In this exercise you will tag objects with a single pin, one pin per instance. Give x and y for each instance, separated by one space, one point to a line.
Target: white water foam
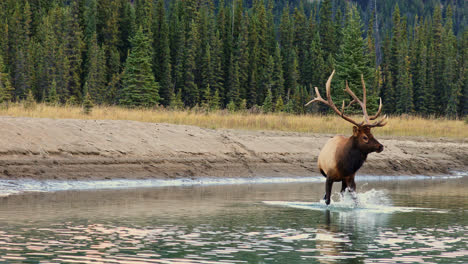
372 201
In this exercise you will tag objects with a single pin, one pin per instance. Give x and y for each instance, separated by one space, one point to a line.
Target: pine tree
108 33
6 90
327 29
74 47
464 74
206 99
234 85
215 101
52 97
405 96
161 58
127 27
139 86
277 76
176 101
96 78
90 20
87 102
387 92
286 44
190 89
207 73
30 102
352 63
267 106
144 13
231 106
394 54
279 106
438 61
315 68
452 86
241 56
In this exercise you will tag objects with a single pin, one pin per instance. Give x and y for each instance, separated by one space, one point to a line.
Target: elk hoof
327 201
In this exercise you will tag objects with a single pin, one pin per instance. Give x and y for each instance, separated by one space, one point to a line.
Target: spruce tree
30 102
267 106
139 86
52 97
161 58
6 89
277 75
279 106
327 29
452 86
127 27
87 102
404 102
352 63
215 101
464 75
96 76
74 47
190 89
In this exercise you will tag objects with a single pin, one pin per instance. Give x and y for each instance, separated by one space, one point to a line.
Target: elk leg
343 186
328 188
351 184
352 187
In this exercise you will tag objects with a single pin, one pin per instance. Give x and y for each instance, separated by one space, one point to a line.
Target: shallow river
392 220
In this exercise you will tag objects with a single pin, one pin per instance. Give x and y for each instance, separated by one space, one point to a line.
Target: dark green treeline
236 54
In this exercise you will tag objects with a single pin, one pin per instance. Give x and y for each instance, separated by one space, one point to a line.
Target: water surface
392 220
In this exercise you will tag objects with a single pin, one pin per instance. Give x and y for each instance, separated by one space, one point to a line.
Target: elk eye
365 138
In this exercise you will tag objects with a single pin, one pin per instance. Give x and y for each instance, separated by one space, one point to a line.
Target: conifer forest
266 55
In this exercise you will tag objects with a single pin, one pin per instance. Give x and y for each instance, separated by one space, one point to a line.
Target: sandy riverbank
103 149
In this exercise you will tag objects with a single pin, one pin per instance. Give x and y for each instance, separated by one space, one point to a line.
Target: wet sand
41 148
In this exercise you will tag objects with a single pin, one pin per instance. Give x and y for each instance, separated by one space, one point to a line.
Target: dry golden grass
397 125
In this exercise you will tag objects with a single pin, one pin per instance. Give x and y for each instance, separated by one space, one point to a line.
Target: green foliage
72 101
267 106
96 78
52 97
231 107
215 103
352 62
279 107
139 85
176 102
6 89
186 53
30 102
87 103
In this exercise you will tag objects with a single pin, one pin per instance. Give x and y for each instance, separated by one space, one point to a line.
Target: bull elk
341 157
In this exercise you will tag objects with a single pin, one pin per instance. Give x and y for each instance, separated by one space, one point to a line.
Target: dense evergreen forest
239 54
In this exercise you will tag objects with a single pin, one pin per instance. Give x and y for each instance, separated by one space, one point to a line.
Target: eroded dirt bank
83 149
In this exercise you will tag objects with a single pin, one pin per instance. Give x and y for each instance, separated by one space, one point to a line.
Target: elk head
362 135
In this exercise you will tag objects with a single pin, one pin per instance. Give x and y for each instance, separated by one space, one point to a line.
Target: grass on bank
397 125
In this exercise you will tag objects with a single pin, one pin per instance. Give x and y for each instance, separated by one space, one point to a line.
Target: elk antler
330 103
362 103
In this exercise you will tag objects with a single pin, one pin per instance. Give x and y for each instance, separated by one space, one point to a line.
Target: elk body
341 157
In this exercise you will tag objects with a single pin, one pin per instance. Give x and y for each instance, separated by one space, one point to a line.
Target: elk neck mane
350 158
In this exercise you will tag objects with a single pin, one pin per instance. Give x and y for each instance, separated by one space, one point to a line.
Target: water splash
372 201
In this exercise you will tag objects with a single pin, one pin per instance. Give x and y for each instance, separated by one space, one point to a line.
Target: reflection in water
231 224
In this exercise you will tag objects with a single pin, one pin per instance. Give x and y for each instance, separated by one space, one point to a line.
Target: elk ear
355 131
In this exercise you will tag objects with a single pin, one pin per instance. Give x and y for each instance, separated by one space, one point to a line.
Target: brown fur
342 157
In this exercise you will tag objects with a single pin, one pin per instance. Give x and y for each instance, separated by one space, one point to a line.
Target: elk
341 157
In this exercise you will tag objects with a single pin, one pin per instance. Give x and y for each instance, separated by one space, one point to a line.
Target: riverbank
41 148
